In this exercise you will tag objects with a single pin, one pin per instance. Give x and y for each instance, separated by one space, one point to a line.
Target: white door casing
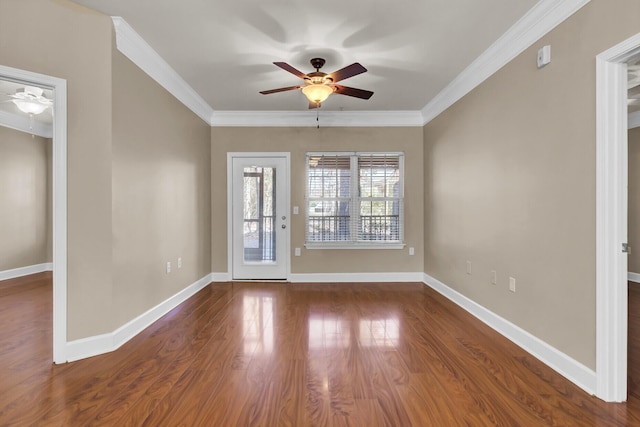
611 219
59 187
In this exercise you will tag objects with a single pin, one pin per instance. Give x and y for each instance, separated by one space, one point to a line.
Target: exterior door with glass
260 217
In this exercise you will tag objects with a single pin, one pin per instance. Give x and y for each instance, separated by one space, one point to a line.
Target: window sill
354 246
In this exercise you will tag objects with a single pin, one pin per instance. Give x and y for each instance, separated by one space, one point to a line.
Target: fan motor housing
317 63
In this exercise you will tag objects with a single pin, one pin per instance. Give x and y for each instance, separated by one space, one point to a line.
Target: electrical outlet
468 267
494 277
180 262
297 251
169 267
412 251
512 284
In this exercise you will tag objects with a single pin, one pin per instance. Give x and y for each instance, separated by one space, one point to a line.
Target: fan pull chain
318 116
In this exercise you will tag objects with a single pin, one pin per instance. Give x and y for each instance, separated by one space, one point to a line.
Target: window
354 200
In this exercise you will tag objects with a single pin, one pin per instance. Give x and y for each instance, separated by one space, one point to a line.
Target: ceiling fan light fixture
317 93
29 107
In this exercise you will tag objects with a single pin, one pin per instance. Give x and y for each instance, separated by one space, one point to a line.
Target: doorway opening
611 219
59 197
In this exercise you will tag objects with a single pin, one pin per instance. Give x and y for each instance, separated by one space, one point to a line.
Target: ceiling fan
30 100
318 85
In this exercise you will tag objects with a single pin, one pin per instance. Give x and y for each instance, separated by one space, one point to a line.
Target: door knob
284 226
284 217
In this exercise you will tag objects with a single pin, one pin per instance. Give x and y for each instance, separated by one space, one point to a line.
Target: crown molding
131 45
634 120
308 118
22 124
542 18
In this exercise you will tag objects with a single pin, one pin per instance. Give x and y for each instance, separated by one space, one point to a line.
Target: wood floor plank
266 354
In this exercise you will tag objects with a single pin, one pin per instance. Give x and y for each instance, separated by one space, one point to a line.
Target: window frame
355 199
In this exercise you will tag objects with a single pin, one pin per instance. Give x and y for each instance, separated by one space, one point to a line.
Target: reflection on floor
275 354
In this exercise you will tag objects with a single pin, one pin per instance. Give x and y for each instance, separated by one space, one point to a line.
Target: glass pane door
260 233
259 214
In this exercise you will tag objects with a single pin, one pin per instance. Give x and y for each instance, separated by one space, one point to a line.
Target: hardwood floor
273 354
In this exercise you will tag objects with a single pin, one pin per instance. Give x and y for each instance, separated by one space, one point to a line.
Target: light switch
295 210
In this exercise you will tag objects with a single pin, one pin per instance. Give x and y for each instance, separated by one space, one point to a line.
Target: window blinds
354 198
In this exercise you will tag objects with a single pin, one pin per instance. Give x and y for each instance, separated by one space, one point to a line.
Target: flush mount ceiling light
30 100
318 85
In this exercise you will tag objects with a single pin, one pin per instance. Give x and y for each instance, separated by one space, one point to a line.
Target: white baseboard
25 271
355 277
105 343
221 277
566 366
633 277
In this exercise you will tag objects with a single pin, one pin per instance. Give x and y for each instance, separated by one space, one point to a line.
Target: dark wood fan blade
351 91
282 89
348 71
290 69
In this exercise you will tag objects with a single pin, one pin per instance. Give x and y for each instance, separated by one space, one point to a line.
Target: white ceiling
224 49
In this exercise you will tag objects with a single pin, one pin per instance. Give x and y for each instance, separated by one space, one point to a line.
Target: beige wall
25 224
298 141
161 193
634 200
70 42
510 184
118 241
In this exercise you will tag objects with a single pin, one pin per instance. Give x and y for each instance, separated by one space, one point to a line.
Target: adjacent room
222 213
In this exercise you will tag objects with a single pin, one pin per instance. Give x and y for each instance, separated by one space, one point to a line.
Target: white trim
355 277
542 18
566 366
134 47
59 211
25 271
230 215
23 124
633 120
611 219
221 277
633 277
105 343
353 245
308 118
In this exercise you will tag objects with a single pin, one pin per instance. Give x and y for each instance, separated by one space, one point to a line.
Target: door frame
59 197
611 219
287 196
